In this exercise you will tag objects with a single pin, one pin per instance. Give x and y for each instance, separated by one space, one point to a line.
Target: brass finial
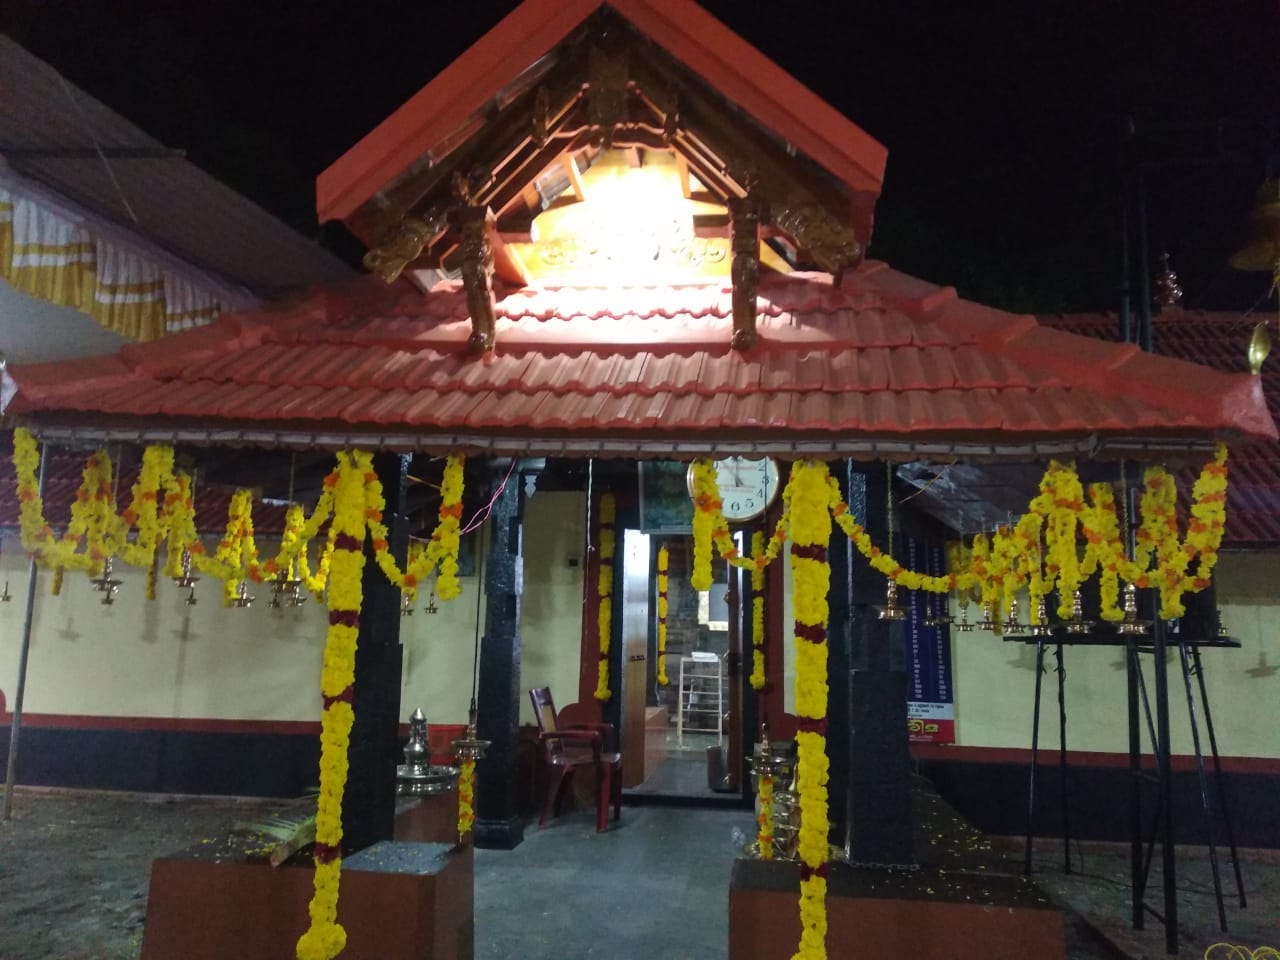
1259 347
1168 291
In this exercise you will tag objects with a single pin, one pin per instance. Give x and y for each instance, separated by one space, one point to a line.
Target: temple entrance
682 725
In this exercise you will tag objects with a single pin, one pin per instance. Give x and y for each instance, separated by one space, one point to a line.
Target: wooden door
636 587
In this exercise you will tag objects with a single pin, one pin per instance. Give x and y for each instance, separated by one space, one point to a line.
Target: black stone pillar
839 599
498 823
369 803
879 761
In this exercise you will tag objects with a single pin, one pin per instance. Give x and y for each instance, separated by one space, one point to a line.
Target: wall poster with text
930 710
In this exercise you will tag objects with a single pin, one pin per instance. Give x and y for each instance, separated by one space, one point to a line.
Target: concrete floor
655 885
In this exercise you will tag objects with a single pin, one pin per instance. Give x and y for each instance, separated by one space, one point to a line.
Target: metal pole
1126 197
1217 774
1062 760
1205 803
1168 861
1145 338
1035 750
1136 883
11 769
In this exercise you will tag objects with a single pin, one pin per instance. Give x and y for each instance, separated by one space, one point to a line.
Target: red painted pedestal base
764 921
399 900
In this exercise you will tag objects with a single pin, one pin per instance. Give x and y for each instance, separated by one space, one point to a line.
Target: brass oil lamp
242 599
891 610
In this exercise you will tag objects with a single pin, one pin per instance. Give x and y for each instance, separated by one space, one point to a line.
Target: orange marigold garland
325 937
664 581
604 587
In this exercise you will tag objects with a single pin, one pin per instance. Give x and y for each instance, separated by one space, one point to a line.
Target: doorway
684 735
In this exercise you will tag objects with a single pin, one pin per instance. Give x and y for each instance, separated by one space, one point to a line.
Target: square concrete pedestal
399 900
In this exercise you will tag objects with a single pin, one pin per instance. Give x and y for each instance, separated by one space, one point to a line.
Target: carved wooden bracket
477 275
831 244
745 232
404 244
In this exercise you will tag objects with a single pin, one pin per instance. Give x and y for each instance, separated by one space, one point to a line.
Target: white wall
551 608
35 331
161 658
166 659
994 680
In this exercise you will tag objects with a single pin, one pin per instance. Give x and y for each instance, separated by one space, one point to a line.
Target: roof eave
65 427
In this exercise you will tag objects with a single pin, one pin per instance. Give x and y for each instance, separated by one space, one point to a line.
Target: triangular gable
442 109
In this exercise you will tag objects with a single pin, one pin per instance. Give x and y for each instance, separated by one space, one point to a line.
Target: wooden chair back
544 709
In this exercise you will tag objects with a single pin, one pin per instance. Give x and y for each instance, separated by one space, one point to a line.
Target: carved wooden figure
477 275
745 224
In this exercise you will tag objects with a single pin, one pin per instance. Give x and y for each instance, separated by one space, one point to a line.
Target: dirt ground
1097 889
74 869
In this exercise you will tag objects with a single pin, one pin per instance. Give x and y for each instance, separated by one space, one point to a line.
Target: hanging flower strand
664 580
325 938
711 527
758 677
604 587
764 819
811 532
442 549
466 798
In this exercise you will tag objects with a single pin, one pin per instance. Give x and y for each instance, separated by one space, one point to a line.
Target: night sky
1003 119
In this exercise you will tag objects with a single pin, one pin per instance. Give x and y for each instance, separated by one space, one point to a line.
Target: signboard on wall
665 505
930 710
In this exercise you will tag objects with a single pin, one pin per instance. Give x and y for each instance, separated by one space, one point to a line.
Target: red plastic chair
579 745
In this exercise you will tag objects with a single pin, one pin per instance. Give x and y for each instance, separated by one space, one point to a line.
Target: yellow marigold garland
764 819
441 550
604 587
710 526
758 678
810 533
706 504
466 798
664 581
326 938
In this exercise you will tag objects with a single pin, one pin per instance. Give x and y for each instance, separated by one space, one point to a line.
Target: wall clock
747 487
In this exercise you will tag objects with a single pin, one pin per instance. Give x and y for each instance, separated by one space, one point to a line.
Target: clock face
747 487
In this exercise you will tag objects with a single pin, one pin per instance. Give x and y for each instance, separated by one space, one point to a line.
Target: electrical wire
475 658
483 513
98 148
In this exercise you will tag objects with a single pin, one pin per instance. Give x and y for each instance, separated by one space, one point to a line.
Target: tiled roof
881 359
1218 340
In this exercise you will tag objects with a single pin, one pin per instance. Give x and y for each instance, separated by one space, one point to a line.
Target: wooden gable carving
607 87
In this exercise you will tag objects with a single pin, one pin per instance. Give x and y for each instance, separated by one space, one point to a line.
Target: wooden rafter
575 178
648 102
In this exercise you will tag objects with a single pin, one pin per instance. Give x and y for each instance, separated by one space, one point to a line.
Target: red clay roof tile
880 356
